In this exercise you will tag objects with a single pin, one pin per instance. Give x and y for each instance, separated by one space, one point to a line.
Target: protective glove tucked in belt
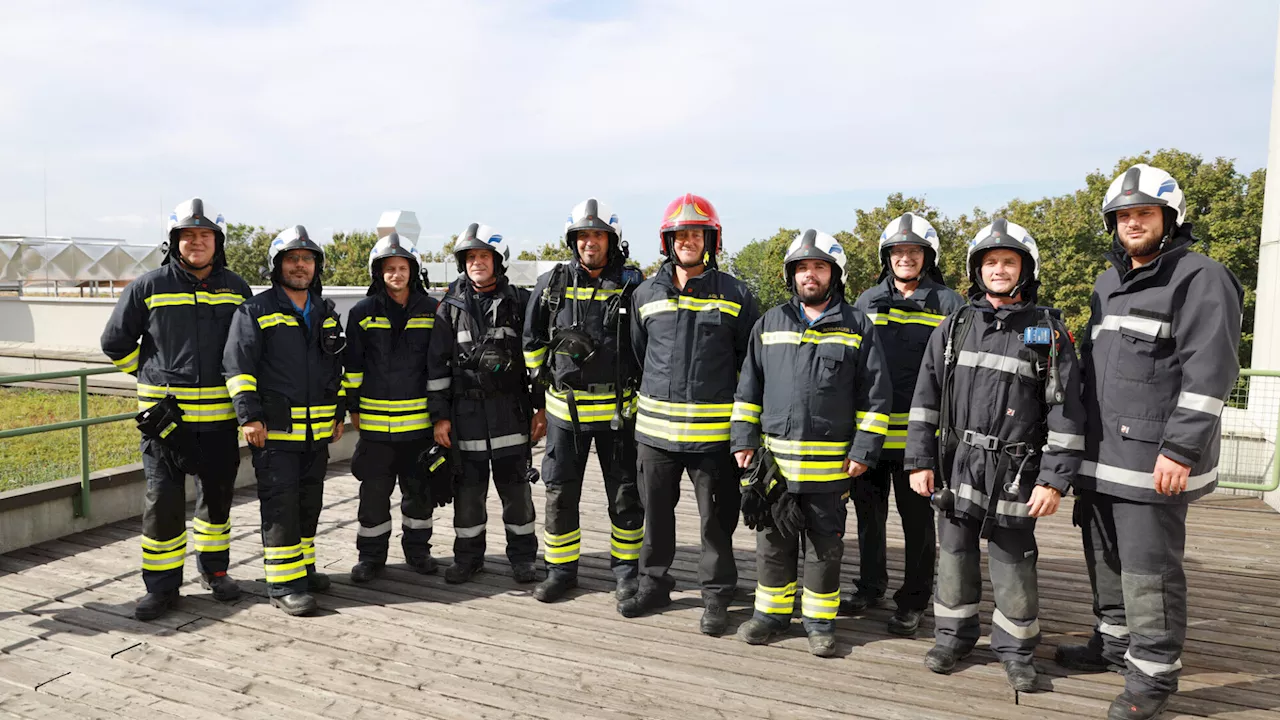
787 516
434 465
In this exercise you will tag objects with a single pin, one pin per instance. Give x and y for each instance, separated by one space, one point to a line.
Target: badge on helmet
686 212
194 214
815 245
482 237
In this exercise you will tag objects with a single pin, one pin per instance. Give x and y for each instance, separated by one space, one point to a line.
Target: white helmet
482 237
294 238
1011 236
394 245
591 214
193 214
910 229
1145 186
815 245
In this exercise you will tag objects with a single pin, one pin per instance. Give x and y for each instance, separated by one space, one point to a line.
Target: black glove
760 484
436 469
162 423
755 511
787 516
442 488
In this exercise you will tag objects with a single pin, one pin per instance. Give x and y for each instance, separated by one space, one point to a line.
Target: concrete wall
47 511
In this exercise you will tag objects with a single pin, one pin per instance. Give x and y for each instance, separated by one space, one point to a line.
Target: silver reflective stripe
1200 403
1001 363
1066 441
1022 633
924 415
1135 478
409 523
525 529
1152 668
1115 631
375 531
464 336
961 611
1012 508
972 494
439 384
1149 326
469 532
502 441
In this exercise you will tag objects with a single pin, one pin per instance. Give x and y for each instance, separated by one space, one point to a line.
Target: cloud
510 112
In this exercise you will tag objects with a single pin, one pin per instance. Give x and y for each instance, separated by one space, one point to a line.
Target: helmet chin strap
191 266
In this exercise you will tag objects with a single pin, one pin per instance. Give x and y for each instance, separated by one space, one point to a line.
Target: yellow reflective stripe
216 392
207 412
379 323
227 298
906 317
790 337
776 600
820 606
899 419
420 323
281 552
274 319
315 412
586 293
812 470
581 397
806 447
169 561
625 544
129 363
533 358
351 380
587 411
329 322
681 432
657 306
237 384
319 431
373 422
628 535
152 545
746 412
873 422
562 549
285 572
687 410
689 303
168 299
571 536
409 404
201 526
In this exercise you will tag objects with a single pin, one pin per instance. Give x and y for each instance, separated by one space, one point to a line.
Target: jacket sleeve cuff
918 463
1178 455
1056 482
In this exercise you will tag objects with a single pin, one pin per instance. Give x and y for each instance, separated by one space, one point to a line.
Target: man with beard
690 328
168 330
906 306
997 417
479 396
815 392
388 334
1160 358
283 365
577 341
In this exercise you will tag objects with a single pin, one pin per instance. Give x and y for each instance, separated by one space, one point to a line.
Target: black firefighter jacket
168 329
1007 440
600 308
278 372
489 411
690 346
903 327
386 365
1160 357
819 394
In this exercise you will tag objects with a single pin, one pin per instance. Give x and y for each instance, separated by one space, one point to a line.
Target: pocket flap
831 351
708 317
1138 428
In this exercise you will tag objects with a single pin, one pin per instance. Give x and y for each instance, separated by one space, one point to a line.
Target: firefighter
479 395
168 330
690 328
997 415
577 342
815 392
283 365
908 303
1160 358
388 334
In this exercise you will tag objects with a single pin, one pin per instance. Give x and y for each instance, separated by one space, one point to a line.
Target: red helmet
689 211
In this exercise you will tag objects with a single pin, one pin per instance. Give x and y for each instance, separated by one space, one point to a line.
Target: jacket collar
1179 245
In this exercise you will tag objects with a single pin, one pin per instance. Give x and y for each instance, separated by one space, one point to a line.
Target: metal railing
82 504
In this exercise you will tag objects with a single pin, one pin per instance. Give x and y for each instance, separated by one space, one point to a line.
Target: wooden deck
407 646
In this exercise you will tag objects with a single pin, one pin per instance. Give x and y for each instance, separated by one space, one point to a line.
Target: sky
509 113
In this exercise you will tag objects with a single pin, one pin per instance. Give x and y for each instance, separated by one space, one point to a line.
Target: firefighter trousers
470 516
715 484
379 466
1011 560
563 466
871 503
777 560
164 512
1134 555
290 495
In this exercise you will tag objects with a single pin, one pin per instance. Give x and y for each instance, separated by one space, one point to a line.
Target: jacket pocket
1137 354
277 412
1139 428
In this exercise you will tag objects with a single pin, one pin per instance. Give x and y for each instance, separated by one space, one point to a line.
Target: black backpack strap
961 321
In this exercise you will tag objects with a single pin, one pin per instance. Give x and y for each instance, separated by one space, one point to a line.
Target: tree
445 254
557 251
246 251
346 259
759 265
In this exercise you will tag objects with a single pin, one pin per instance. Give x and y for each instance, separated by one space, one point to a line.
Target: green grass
55 455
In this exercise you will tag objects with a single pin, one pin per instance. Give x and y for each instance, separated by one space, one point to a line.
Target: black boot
460 572
757 632
1021 675
1084 658
856 602
554 587
1132 706
715 619
645 601
155 604
822 643
524 572
299 603
905 622
626 589
423 565
364 571
224 589
318 582
942 659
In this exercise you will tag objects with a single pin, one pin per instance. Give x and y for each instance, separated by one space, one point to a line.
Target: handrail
1274 482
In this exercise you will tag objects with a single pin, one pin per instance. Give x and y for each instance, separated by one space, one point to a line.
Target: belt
993 443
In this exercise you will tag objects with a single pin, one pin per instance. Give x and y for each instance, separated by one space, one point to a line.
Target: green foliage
1224 205
557 251
445 254
346 259
246 251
